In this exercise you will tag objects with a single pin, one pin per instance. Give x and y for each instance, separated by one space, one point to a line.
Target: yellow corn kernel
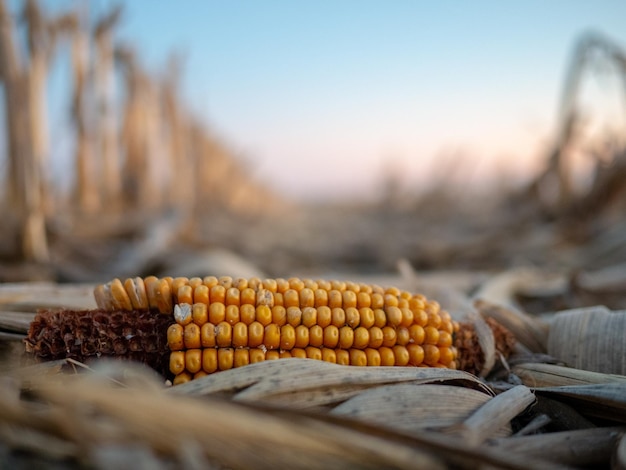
191 336
361 338
217 312
287 337
387 357
307 298
241 358
313 353
200 313
407 317
431 354
257 355
272 355
193 360
263 315
343 357
282 285
366 315
248 296
446 356
233 296
207 335
349 299
271 338
445 339
376 337
353 318
431 335
338 317
256 332
331 336
247 313
298 352
136 290
225 281
296 284
177 362
294 316
185 295
309 316
380 317
357 357
209 281
320 298
291 298
373 357
328 355
417 334
279 315
231 314
346 337
335 299
225 358
302 336
401 355
389 336
324 316
416 354
175 339
316 336
217 294
224 334
240 335
270 284
182 378
402 336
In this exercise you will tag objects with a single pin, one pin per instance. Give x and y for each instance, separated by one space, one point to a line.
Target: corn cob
215 324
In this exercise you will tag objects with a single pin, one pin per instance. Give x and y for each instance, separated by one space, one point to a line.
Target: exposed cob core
214 324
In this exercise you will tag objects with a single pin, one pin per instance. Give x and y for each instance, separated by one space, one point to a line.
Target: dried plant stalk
550 375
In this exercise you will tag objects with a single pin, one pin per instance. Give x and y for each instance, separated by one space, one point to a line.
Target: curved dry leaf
495 414
550 375
606 401
304 383
590 338
589 448
412 408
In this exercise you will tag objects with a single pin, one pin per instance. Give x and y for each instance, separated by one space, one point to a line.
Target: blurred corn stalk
554 188
137 146
24 81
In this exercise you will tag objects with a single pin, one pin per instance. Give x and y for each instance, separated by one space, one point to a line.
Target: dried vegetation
547 261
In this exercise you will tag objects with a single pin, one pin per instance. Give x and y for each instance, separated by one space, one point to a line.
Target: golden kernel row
162 294
186 365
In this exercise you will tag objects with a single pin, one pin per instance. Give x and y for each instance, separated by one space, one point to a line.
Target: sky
321 98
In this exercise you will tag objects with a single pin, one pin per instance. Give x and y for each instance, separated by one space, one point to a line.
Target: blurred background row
373 141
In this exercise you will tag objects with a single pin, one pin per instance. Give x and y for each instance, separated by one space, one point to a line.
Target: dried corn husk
111 422
591 339
412 407
550 375
581 448
305 383
605 401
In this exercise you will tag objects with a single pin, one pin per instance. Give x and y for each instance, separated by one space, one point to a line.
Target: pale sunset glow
320 97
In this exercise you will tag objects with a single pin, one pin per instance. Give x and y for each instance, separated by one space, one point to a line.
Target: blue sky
320 96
